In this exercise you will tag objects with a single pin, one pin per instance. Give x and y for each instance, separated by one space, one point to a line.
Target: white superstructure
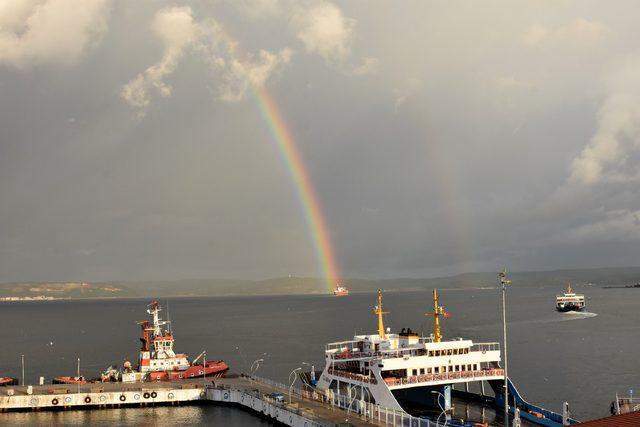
377 365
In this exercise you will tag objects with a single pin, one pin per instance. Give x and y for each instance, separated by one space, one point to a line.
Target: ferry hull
418 399
569 307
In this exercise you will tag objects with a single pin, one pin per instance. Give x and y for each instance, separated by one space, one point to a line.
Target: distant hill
306 285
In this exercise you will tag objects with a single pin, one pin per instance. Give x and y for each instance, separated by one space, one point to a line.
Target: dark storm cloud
440 138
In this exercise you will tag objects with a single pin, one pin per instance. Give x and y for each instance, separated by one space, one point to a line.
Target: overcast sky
441 137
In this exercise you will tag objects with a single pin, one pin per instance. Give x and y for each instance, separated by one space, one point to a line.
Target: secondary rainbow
316 223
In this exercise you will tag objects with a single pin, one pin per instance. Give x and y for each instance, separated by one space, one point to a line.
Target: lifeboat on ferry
70 380
8 381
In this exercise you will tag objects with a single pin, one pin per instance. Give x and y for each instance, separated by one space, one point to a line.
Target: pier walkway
262 397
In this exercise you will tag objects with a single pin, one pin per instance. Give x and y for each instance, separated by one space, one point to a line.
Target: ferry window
457 368
430 371
464 368
431 353
415 372
421 371
449 352
475 366
436 370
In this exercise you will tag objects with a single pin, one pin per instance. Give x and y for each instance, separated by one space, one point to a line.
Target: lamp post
443 411
254 367
292 382
204 368
504 281
22 359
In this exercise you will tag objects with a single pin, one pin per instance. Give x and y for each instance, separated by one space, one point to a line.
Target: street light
504 281
351 399
254 367
292 382
440 405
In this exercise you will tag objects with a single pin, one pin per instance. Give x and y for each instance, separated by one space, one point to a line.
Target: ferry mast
438 311
378 311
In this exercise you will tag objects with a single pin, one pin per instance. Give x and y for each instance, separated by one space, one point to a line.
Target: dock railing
360 408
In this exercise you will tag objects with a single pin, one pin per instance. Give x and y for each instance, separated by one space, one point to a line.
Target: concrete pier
262 397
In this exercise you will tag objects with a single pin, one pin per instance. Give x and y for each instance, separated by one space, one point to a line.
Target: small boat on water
340 291
4 381
570 301
70 380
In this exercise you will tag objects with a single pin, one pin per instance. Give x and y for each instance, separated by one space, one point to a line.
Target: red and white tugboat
158 361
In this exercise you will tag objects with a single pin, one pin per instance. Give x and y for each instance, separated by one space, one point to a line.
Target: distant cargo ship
570 301
340 291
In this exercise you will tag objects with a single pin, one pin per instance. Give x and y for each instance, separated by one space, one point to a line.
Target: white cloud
240 74
368 66
180 35
323 29
175 27
580 30
34 32
607 156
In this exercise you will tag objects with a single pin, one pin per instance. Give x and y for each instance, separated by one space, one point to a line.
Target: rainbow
316 223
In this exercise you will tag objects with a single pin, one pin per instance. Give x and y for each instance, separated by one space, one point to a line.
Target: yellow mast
437 312
378 310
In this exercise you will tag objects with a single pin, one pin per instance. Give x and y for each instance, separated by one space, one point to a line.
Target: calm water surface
553 357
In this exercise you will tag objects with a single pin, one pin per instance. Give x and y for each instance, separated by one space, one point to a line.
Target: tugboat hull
214 369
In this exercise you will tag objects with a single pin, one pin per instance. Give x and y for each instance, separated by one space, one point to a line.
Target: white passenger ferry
393 366
407 371
570 301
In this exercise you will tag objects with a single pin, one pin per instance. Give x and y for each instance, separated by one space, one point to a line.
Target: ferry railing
355 353
445 376
354 376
